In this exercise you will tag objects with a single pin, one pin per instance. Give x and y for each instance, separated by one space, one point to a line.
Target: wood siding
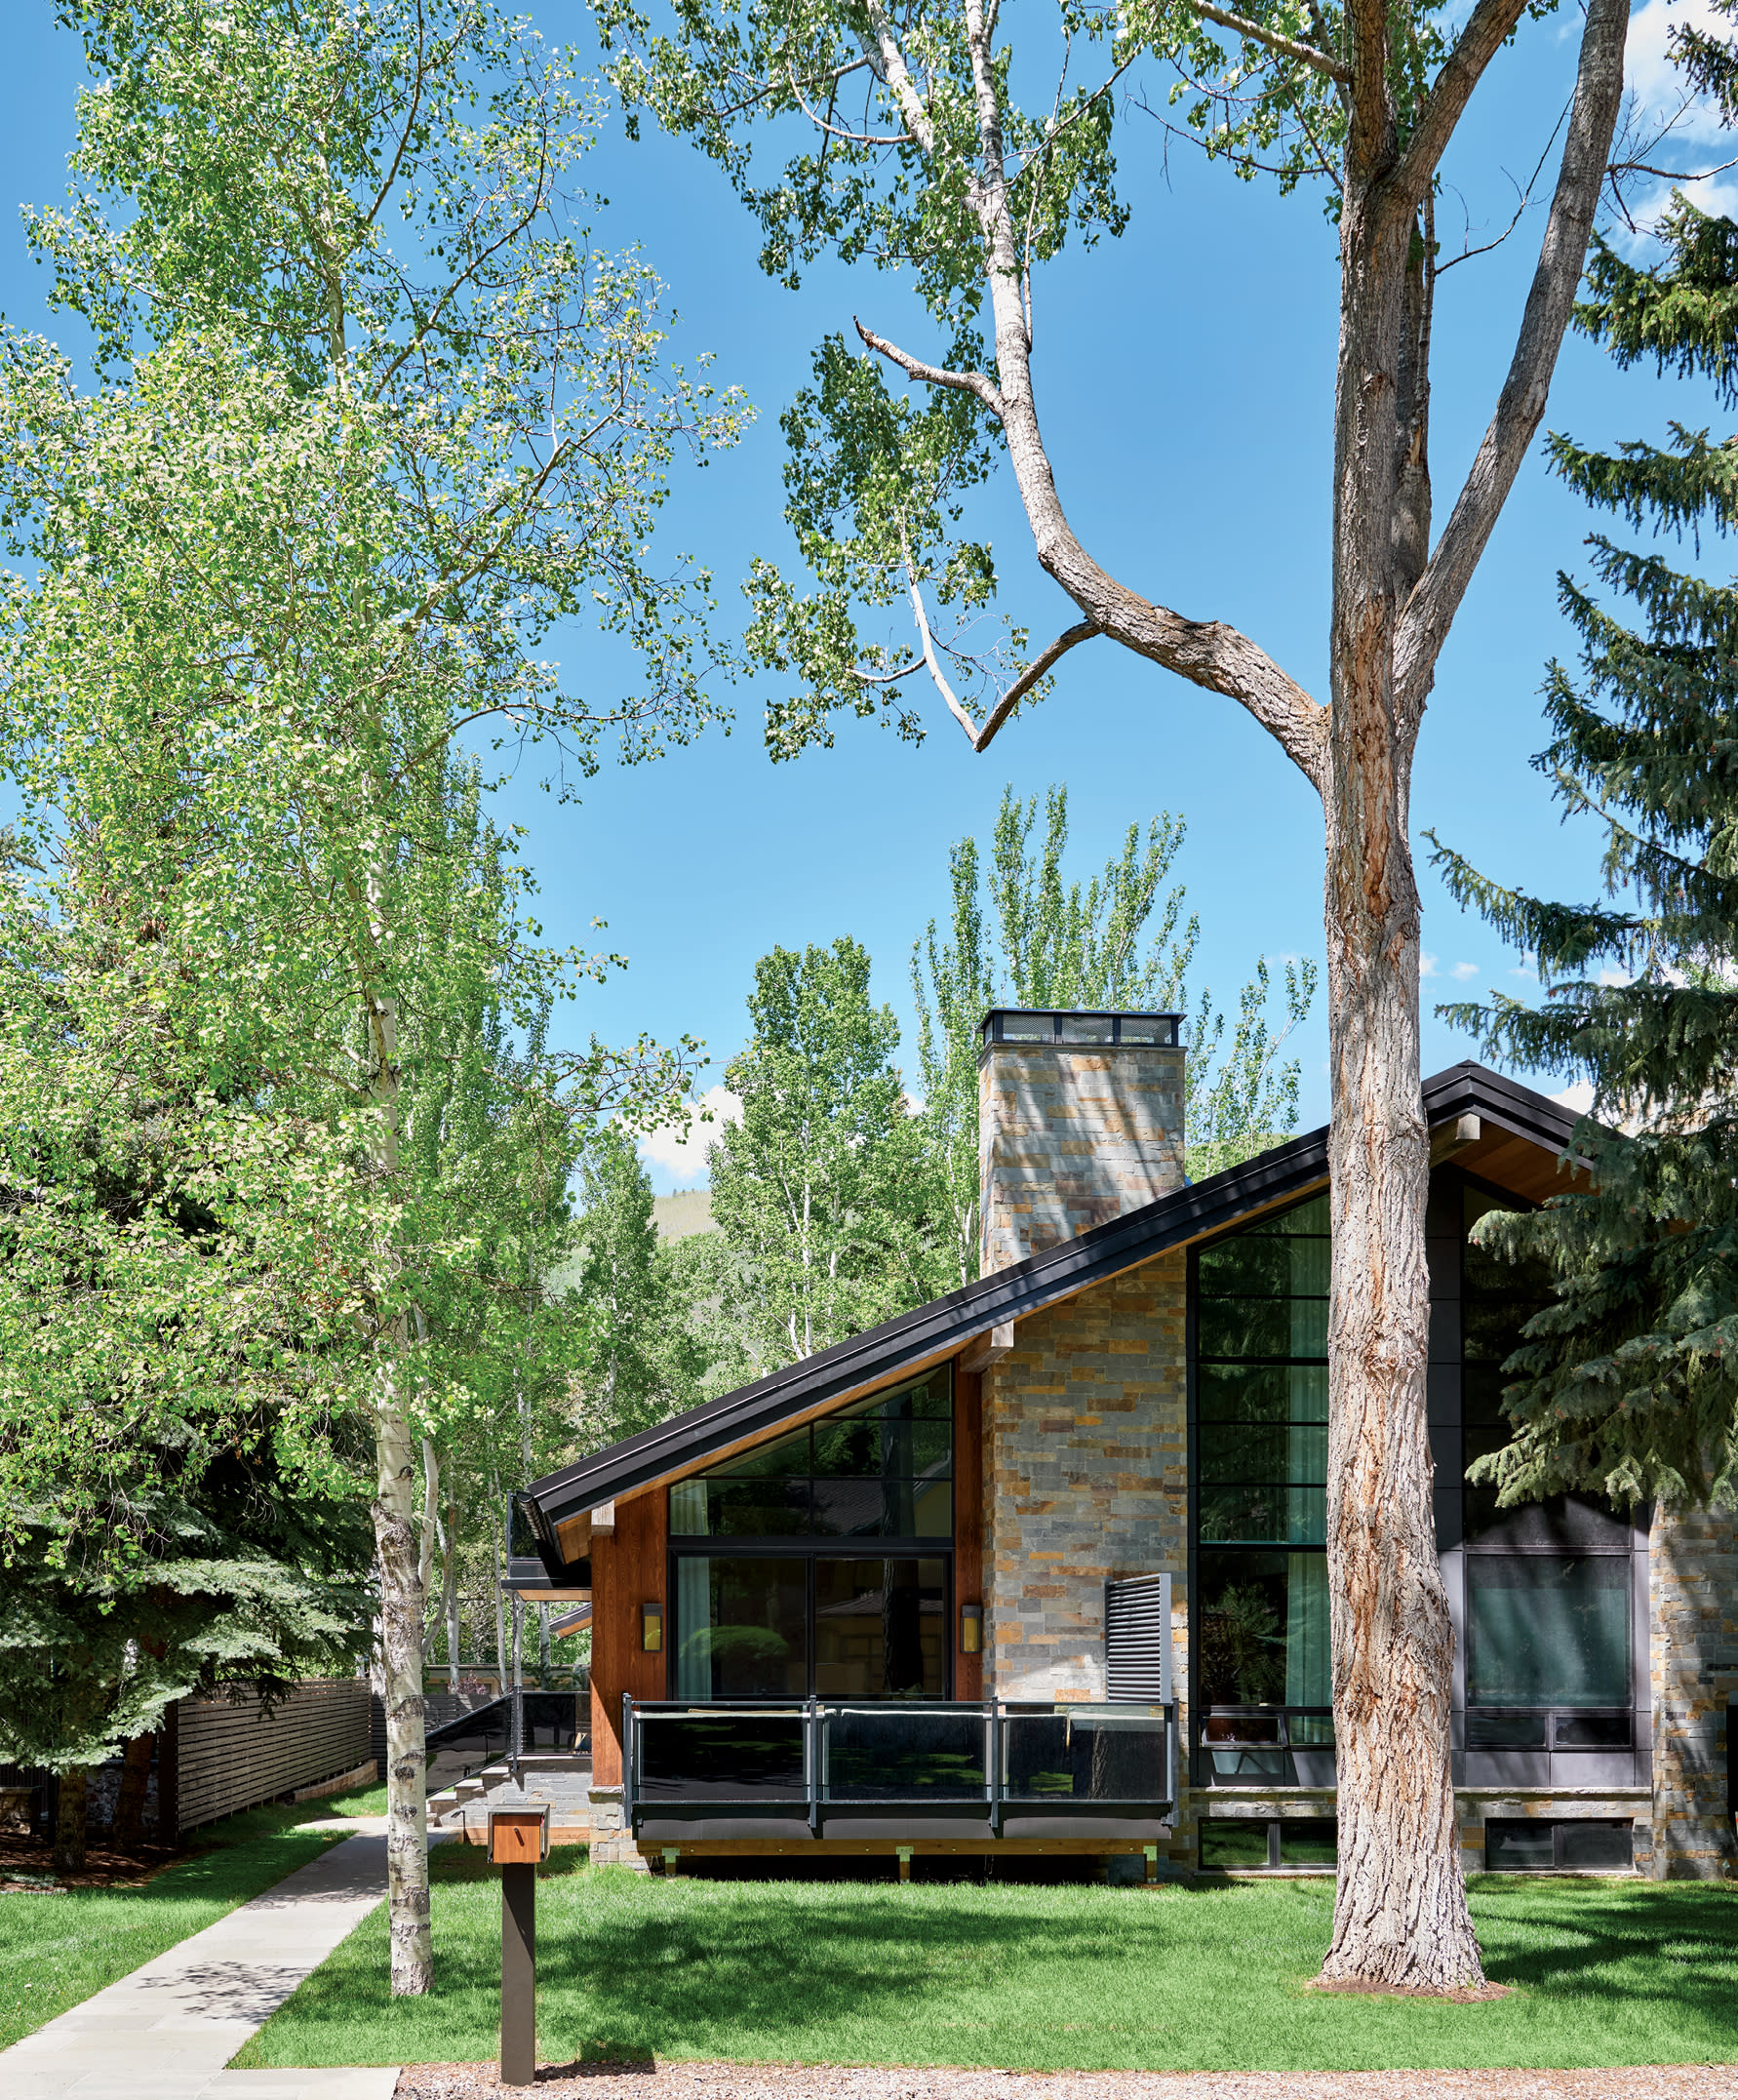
230 1755
629 1568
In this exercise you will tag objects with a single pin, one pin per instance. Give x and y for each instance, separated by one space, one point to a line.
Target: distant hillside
679 1216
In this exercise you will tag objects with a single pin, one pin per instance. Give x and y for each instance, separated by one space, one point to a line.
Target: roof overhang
1496 1127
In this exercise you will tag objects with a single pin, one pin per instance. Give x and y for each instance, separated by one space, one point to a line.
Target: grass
1605 1972
56 1950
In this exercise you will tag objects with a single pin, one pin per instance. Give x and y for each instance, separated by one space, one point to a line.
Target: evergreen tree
1628 1383
1047 944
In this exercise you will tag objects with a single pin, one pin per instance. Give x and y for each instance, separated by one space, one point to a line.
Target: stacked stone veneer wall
1069 1138
1693 1575
1086 1459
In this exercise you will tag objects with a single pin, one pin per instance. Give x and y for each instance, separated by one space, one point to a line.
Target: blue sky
1186 378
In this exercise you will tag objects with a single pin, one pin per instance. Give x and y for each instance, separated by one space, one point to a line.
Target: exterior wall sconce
652 1629
972 1629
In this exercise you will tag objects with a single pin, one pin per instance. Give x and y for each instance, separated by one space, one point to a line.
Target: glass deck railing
806 1758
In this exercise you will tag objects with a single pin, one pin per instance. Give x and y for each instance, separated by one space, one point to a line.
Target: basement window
1584 1845
1245 1844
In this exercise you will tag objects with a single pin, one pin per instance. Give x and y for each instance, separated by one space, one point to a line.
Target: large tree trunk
69 1821
1401 1918
130 1800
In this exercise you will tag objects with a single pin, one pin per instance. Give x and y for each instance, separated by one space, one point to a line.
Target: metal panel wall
230 1756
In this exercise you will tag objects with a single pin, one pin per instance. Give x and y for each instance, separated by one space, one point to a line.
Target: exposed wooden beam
989 1348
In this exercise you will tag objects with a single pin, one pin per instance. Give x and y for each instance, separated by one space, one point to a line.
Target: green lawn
57 1948
1022 1977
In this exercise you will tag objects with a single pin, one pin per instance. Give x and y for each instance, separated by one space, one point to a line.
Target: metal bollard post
518 1842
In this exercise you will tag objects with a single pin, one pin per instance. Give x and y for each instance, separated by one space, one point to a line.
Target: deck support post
905 1863
672 1859
1152 1857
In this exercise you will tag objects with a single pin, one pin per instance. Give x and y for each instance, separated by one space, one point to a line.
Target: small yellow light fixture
972 1629
652 1629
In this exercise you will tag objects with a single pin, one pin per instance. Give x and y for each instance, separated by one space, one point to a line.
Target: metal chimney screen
1137 1639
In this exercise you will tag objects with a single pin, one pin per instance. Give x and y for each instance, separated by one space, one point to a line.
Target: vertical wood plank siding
628 1568
230 1756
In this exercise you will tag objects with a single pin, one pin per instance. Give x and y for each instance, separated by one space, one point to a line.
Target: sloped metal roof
931 1332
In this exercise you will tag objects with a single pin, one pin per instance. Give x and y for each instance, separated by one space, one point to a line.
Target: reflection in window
878 1629
1546 1631
742 1628
1261 1334
881 1469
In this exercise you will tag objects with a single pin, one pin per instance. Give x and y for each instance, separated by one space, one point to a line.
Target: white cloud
1616 976
677 1149
1578 1098
1427 963
1464 971
1696 138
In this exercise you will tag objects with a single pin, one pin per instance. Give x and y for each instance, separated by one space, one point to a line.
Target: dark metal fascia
1015 1293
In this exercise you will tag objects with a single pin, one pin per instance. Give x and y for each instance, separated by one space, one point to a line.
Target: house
1040 1567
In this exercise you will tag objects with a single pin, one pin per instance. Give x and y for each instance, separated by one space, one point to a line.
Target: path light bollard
518 1842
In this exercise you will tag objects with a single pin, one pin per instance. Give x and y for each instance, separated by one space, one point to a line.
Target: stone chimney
1080 1118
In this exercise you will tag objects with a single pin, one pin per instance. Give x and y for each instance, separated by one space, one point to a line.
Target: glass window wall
1261 1387
782 1606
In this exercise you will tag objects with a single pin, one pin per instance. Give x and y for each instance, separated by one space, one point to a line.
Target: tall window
1549 1584
819 1565
1261 1312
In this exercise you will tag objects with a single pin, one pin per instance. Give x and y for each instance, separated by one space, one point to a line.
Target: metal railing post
812 1725
1732 1760
1171 1767
627 1763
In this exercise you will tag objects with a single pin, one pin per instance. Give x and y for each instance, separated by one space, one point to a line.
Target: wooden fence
224 1755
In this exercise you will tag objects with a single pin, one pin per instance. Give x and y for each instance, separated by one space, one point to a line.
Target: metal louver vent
1137 1639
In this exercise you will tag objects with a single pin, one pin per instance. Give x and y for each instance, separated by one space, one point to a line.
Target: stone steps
562 1779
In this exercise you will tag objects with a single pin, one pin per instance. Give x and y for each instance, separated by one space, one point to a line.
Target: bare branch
1620 167
886 678
839 131
1527 197
929 645
881 47
914 368
1287 46
1487 28
1039 668
1436 599
1325 38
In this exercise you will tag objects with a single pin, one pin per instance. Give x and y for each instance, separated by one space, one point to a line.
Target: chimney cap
1075 1025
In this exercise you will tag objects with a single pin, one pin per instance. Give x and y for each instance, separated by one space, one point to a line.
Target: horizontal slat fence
229 1755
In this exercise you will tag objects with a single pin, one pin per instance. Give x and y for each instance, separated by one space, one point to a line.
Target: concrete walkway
166 2032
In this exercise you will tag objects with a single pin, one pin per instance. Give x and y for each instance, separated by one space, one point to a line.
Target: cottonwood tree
369 210
1046 944
635 1358
915 150
821 1194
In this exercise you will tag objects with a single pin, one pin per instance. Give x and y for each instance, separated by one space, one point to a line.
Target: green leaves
820 1193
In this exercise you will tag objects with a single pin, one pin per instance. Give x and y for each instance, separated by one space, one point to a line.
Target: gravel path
828 2081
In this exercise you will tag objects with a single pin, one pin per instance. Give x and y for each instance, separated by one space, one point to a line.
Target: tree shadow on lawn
1031 1977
